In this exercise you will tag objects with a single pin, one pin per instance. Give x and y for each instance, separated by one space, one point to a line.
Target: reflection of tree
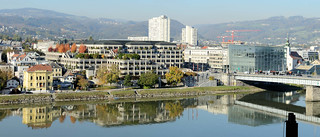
73 119
4 114
107 112
175 109
61 118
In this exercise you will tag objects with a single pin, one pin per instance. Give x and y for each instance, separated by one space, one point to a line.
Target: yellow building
38 78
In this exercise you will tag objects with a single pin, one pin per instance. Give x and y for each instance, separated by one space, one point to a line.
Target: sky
189 12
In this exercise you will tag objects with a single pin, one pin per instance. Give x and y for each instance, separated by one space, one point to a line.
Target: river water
204 116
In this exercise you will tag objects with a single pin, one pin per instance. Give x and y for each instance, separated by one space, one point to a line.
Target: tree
50 49
66 47
101 75
127 81
174 76
96 55
211 78
61 48
4 77
147 80
73 48
82 48
83 83
90 38
113 74
4 54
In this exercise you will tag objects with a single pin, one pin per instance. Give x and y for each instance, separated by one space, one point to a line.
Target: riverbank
124 94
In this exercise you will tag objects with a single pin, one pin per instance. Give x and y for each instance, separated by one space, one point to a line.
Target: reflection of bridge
312 84
299 116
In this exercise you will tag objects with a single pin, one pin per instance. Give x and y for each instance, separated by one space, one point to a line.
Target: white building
203 58
142 38
159 29
43 46
190 35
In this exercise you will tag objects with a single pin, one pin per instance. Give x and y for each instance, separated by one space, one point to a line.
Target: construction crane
223 37
232 32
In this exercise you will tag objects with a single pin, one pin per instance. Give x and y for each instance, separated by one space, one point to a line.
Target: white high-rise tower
190 35
159 29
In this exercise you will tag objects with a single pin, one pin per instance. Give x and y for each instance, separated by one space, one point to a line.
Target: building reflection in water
40 117
148 112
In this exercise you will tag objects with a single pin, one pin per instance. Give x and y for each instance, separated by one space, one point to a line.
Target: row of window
39 77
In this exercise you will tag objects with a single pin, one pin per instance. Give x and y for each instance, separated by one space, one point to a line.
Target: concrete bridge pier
312 93
312 108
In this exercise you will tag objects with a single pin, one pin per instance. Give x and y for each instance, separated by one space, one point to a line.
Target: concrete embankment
107 95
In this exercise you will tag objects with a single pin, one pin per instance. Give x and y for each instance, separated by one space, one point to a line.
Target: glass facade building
245 58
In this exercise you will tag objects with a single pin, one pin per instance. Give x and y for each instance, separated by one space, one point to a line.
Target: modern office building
197 58
159 29
153 55
189 35
245 58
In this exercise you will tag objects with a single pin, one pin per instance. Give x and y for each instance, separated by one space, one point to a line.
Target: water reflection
40 117
149 112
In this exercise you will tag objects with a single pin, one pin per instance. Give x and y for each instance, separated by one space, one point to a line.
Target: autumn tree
147 80
73 48
82 48
174 76
83 83
66 47
50 49
61 48
73 119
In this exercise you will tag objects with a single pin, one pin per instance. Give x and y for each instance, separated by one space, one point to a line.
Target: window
48 77
31 78
30 117
30 84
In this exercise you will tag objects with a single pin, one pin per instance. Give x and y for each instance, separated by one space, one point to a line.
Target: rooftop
40 67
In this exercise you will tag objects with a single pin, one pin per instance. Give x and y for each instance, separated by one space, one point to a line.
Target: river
204 116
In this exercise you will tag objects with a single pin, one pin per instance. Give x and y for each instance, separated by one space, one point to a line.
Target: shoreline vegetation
124 94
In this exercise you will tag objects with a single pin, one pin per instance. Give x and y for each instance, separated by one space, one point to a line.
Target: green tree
112 75
4 54
174 76
83 83
127 81
147 80
4 77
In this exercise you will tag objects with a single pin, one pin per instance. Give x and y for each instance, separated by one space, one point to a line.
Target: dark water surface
206 116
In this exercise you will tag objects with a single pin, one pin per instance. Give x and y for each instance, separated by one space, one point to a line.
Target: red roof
40 67
22 56
205 47
15 55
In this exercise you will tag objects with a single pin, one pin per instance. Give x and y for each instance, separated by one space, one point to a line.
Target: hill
50 24
272 30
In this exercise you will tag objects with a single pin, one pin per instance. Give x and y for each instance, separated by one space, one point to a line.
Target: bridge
303 116
312 83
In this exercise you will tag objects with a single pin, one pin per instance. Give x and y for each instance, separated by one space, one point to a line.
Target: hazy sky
188 12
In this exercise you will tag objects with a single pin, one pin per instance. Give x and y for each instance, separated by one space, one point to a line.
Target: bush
211 78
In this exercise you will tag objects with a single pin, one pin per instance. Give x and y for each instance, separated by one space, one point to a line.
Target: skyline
189 12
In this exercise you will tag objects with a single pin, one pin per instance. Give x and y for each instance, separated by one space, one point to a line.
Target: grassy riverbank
109 94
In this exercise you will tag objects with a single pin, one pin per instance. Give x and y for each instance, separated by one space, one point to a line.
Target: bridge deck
312 81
